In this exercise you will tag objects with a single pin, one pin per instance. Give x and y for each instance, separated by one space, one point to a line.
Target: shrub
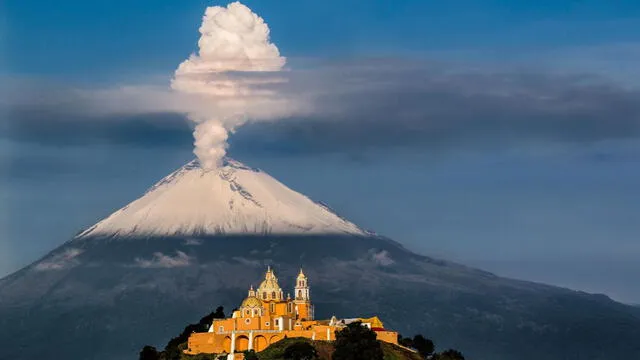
450 354
357 342
250 355
424 346
149 353
300 351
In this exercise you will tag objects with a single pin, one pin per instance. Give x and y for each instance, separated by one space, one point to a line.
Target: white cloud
248 262
382 258
160 260
59 261
192 242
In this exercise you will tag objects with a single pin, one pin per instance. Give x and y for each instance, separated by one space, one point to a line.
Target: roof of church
251 302
270 282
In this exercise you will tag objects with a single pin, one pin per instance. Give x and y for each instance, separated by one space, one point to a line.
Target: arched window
273 307
273 295
290 307
264 295
248 312
299 293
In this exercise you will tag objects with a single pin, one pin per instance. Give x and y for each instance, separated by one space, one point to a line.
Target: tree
450 354
149 353
406 342
356 342
300 351
424 346
172 350
250 355
206 321
219 313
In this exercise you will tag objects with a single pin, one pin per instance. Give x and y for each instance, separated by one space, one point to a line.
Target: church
266 316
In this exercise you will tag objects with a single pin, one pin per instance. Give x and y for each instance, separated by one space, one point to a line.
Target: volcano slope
197 239
104 298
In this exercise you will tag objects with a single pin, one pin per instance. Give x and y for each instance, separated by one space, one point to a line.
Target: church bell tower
302 297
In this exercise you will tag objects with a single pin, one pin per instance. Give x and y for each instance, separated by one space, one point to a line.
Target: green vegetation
286 347
300 351
149 353
449 355
324 350
174 348
357 342
424 346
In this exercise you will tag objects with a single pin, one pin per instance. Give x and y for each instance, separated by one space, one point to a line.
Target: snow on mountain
233 199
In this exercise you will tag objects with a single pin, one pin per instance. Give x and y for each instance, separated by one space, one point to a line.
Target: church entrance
242 343
260 343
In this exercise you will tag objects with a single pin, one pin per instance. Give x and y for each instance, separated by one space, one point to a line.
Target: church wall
387 336
299 333
324 332
266 323
206 343
304 311
226 324
248 323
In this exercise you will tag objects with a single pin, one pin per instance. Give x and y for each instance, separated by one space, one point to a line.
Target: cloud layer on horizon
353 105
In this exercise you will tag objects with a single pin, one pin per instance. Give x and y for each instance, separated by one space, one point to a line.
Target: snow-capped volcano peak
233 199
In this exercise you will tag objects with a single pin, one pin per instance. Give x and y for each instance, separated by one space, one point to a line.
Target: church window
290 307
273 307
248 312
221 329
267 323
277 323
247 321
273 295
264 295
300 293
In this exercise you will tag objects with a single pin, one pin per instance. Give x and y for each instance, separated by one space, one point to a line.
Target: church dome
269 285
251 302
269 288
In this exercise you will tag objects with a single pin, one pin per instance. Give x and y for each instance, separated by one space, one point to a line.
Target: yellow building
266 317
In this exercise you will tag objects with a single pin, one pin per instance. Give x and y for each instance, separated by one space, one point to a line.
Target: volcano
233 199
198 238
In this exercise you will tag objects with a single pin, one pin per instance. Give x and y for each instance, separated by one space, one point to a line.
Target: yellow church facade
266 316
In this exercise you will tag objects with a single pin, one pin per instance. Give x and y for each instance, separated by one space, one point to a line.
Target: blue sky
525 191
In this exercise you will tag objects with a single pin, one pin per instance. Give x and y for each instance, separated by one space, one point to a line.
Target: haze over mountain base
104 299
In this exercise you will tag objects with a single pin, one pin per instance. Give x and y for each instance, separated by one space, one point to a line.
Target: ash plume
233 75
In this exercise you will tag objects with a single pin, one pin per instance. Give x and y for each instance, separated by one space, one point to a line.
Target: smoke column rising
234 41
